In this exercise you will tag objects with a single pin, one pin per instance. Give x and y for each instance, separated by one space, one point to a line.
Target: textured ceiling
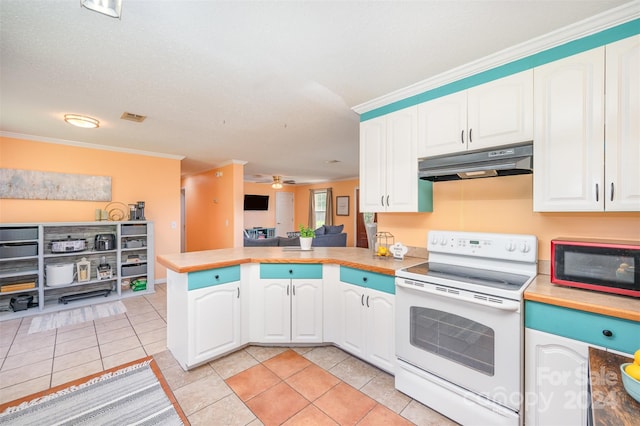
267 82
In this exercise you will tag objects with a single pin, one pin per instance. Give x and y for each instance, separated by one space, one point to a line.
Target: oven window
453 337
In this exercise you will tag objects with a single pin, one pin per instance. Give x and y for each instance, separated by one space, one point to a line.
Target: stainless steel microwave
600 265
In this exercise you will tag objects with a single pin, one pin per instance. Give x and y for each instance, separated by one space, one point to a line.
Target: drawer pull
217 277
364 279
607 333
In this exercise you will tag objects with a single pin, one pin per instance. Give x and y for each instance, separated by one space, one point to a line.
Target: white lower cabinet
214 321
285 309
367 318
556 380
214 312
557 341
203 314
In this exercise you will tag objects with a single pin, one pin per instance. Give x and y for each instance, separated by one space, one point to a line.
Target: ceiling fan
276 182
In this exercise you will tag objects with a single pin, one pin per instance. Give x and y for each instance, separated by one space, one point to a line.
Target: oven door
471 340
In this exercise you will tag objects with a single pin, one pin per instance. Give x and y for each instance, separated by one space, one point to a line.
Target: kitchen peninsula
221 300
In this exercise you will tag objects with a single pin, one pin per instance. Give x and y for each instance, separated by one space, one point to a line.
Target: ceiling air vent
133 117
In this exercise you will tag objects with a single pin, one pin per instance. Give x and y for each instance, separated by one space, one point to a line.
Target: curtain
312 209
328 213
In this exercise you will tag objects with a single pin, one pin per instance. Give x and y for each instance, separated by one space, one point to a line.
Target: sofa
326 236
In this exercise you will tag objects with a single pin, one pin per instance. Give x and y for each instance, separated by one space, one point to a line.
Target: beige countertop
542 290
346 256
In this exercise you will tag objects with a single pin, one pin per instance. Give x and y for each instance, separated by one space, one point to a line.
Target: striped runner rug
131 394
75 316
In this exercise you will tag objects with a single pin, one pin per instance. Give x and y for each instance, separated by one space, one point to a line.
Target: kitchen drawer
211 277
288 270
372 280
583 326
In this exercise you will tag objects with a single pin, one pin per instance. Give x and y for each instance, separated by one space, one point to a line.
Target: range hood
506 161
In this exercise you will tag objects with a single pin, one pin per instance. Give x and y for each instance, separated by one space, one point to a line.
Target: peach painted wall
339 188
503 205
213 208
134 177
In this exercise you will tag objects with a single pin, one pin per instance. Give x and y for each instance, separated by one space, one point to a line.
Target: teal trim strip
583 326
212 277
622 31
291 270
367 279
425 196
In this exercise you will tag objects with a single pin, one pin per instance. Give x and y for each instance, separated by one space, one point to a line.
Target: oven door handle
511 306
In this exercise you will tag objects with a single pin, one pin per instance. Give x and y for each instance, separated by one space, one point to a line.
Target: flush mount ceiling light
277 182
81 121
111 8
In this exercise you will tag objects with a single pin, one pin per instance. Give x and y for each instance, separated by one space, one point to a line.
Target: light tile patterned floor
253 386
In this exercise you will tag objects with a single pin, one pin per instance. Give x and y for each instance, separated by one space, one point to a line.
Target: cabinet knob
217 277
290 271
607 333
364 279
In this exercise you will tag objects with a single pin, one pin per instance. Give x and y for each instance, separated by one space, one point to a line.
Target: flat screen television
256 202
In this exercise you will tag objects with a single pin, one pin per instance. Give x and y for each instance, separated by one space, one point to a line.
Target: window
320 207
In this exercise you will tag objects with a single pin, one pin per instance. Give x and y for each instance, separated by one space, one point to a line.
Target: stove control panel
518 247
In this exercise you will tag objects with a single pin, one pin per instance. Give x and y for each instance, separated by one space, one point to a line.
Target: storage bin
134 244
136 269
134 229
13 234
9 250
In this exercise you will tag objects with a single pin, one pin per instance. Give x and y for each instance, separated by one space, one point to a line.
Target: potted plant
306 236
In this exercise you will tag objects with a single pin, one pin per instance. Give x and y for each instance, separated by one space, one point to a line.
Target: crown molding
589 26
89 145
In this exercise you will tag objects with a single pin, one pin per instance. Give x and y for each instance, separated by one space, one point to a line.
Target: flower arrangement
306 232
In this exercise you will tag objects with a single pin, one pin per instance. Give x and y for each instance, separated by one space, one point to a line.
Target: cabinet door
556 380
214 321
373 169
501 112
380 330
352 319
622 156
569 134
402 161
273 312
306 310
442 125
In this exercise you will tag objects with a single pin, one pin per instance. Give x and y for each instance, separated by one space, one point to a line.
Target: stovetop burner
493 279
500 265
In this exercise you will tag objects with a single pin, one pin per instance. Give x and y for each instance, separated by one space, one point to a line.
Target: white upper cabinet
622 130
389 163
442 124
577 167
569 133
497 113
